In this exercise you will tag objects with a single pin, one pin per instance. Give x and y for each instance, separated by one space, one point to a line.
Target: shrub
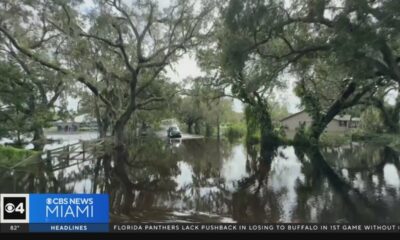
235 131
334 139
10 156
253 139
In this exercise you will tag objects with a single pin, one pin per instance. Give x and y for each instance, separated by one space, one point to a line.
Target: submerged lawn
390 140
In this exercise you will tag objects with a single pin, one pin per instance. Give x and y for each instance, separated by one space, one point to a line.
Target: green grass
379 138
392 140
334 140
10 157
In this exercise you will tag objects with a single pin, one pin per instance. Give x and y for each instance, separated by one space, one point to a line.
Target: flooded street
203 180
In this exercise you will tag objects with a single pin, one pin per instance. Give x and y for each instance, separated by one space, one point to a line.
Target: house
81 122
340 123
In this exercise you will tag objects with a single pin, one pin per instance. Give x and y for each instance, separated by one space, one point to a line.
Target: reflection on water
284 177
234 167
391 176
209 181
63 139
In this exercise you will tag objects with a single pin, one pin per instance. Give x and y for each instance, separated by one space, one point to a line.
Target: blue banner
69 208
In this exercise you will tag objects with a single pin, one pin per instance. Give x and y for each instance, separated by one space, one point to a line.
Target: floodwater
203 180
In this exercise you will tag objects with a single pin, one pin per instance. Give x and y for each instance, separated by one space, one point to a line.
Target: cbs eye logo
11 209
14 208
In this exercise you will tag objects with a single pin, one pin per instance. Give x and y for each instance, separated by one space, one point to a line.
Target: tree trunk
18 144
208 130
120 157
197 128
96 174
107 171
218 129
318 125
127 186
38 139
102 120
189 127
391 121
269 140
103 128
390 115
316 130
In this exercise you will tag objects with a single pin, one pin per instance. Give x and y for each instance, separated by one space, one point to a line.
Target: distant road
185 136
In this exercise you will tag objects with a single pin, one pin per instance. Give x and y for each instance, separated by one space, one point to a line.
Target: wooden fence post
67 159
48 157
83 151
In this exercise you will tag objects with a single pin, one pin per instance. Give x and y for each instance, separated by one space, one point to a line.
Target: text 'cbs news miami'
54 213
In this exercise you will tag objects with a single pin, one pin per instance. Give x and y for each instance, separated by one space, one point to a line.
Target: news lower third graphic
54 212
63 213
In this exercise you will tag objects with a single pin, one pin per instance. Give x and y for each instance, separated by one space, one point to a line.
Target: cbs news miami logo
14 208
54 208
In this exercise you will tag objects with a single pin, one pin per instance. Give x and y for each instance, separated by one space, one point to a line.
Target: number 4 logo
14 208
20 208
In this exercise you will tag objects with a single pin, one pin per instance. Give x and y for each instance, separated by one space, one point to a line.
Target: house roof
338 117
290 116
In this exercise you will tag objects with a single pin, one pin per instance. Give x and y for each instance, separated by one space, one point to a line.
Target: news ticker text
200 228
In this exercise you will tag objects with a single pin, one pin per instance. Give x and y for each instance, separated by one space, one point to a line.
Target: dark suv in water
174 132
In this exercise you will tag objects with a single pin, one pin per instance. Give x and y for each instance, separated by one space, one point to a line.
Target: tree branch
123 51
133 27
148 101
390 61
108 42
148 83
57 92
146 28
95 91
30 54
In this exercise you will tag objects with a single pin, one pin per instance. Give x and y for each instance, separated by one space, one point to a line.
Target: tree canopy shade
114 49
12 101
239 72
117 51
27 99
342 52
198 112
